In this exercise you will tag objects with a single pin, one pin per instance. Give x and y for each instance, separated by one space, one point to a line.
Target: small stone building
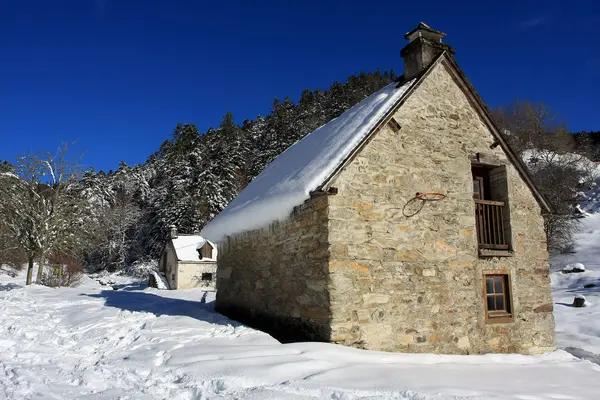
188 261
410 226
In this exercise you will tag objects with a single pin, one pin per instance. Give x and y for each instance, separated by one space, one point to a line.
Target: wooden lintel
317 193
486 159
495 253
394 125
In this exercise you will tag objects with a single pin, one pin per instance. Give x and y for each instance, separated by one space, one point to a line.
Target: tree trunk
40 272
29 272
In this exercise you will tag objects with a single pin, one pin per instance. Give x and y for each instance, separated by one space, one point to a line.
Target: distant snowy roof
186 248
303 167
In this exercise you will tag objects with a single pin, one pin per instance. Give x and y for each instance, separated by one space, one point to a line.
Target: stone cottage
188 261
406 224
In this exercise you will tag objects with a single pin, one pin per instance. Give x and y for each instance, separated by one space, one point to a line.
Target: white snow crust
303 167
186 248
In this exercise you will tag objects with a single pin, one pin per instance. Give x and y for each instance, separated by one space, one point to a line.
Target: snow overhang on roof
303 167
311 162
186 248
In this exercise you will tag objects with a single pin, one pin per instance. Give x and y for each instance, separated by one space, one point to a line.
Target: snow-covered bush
571 268
62 275
141 269
62 270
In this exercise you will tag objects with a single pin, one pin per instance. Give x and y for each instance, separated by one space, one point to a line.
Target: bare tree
120 220
530 126
548 149
41 208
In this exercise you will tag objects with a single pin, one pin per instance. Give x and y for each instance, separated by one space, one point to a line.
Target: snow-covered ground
578 329
94 342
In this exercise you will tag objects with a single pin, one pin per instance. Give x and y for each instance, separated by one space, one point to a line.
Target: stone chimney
173 230
424 45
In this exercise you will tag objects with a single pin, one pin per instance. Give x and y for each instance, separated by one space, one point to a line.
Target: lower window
498 302
206 276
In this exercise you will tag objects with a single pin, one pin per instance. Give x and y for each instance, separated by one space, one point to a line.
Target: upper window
490 194
498 304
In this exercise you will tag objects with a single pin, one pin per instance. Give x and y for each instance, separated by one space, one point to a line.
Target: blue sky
117 75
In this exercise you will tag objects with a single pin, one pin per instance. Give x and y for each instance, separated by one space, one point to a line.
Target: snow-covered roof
303 167
186 248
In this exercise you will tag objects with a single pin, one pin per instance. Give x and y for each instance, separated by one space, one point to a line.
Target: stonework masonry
416 284
276 278
352 268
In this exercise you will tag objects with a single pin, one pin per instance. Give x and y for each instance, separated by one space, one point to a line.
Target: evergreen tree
193 176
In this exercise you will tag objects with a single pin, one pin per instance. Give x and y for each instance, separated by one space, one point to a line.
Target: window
490 195
206 276
498 304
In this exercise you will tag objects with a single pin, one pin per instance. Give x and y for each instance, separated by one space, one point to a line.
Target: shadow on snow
565 304
145 302
9 286
583 354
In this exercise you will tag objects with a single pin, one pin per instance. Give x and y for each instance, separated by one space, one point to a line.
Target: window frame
492 195
481 183
206 280
499 317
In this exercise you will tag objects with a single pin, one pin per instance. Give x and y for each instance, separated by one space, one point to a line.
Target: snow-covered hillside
94 342
578 329
590 193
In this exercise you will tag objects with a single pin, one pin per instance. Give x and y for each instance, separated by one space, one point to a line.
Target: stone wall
275 278
415 284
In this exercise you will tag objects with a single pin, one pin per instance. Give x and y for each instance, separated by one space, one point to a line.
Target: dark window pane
206 276
489 285
500 303
490 303
498 285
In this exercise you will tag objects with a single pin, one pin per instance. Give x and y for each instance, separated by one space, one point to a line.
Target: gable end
479 106
499 139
